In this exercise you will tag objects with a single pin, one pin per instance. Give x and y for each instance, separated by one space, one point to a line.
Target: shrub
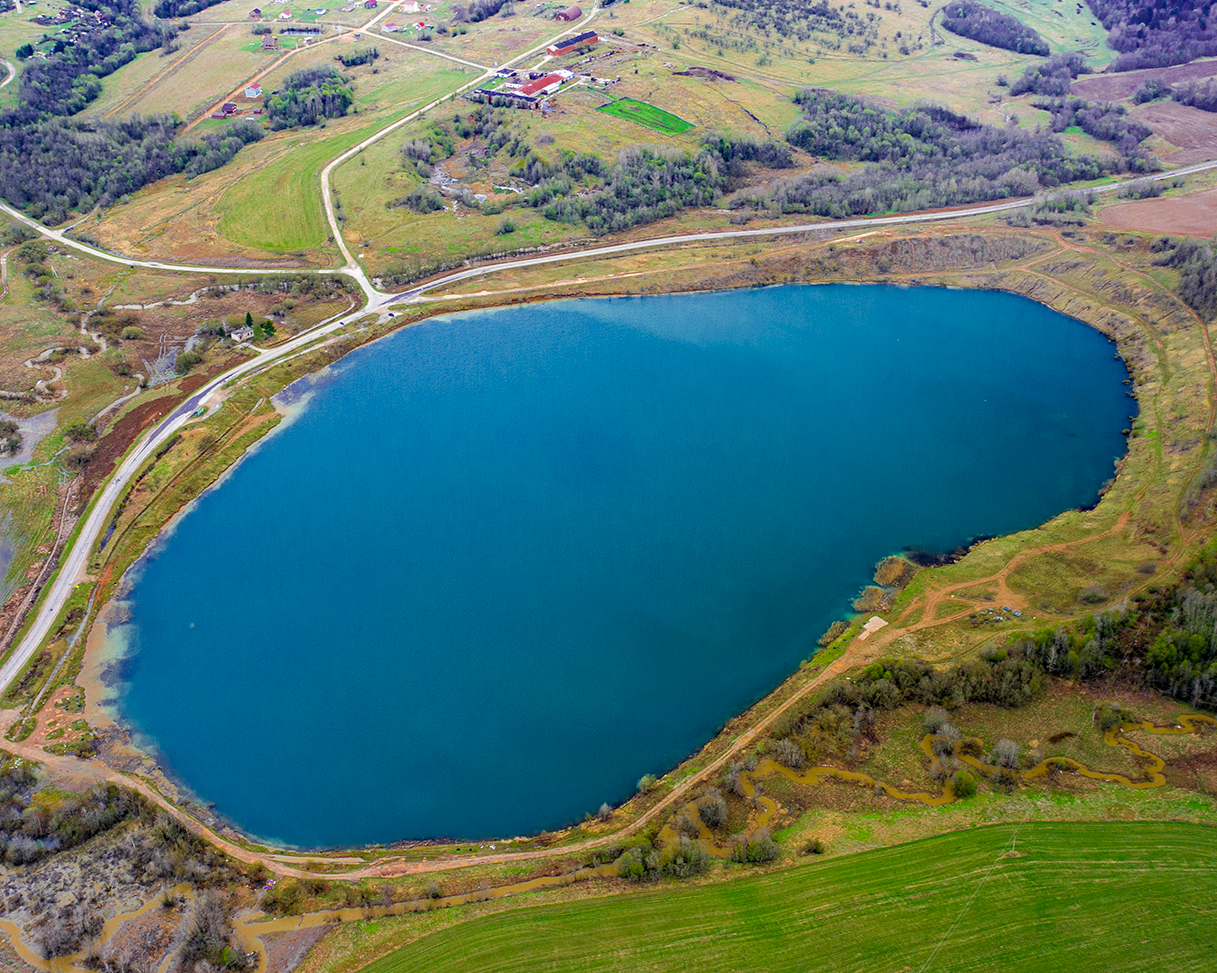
1007 754
812 846
433 890
76 459
133 333
506 225
755 848
80 432
605 812
647 783
1092 594
789 754
186 360
964 783
934 719
685 860
712 809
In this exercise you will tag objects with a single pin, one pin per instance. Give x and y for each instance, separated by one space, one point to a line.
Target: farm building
270 42
255 14
568 44
570 14
546 85
253 91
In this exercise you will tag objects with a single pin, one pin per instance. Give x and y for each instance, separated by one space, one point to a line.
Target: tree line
985 25
51 163
1156 33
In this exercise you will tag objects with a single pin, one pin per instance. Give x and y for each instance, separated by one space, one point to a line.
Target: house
228 108
568 44
321 11
411 7
369 4
286 15
546 85
270 42
243 333
570 14
255 14
253 91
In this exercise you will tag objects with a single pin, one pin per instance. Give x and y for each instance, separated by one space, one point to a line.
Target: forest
168 9
1106 121
985 25
1155 33
51 164
308 98
1051 77
54 165
1197 268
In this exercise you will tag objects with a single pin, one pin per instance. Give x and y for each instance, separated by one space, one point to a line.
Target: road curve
12 74
711 235
378 301
73 568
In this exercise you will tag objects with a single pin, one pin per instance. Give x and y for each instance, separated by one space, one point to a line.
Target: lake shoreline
992 281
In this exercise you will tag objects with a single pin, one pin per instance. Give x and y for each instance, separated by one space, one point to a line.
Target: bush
1007 753
646 783
605 812
506 225
964 784
186 360
712 809
77 459
1092 594
433 891
756 848
812 846
133 333
685 860
80 432
934 719
789 754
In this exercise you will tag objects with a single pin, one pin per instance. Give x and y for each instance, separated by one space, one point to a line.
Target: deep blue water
506 563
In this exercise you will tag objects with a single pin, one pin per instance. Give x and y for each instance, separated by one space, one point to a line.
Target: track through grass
1038 896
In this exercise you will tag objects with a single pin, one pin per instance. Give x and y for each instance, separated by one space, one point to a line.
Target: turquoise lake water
503 564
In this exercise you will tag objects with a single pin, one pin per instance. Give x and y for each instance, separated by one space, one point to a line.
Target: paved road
75 561
827 225
73 568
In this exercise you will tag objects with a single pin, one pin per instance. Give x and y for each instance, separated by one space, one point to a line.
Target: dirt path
173 68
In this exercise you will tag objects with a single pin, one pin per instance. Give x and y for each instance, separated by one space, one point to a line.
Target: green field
647 115
1039 896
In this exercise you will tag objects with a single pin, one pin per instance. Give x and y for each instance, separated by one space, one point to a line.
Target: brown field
1192 215
1107 87
1193 132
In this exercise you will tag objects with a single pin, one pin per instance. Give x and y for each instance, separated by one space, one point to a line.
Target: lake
502 564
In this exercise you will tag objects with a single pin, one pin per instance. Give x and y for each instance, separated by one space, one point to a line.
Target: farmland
647 115
1035 874
977 900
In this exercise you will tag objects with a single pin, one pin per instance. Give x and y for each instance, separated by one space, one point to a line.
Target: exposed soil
285 950
1187 215
1107 87
1193 132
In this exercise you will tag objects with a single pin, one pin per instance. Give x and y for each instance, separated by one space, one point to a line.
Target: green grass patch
976 900
647 115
